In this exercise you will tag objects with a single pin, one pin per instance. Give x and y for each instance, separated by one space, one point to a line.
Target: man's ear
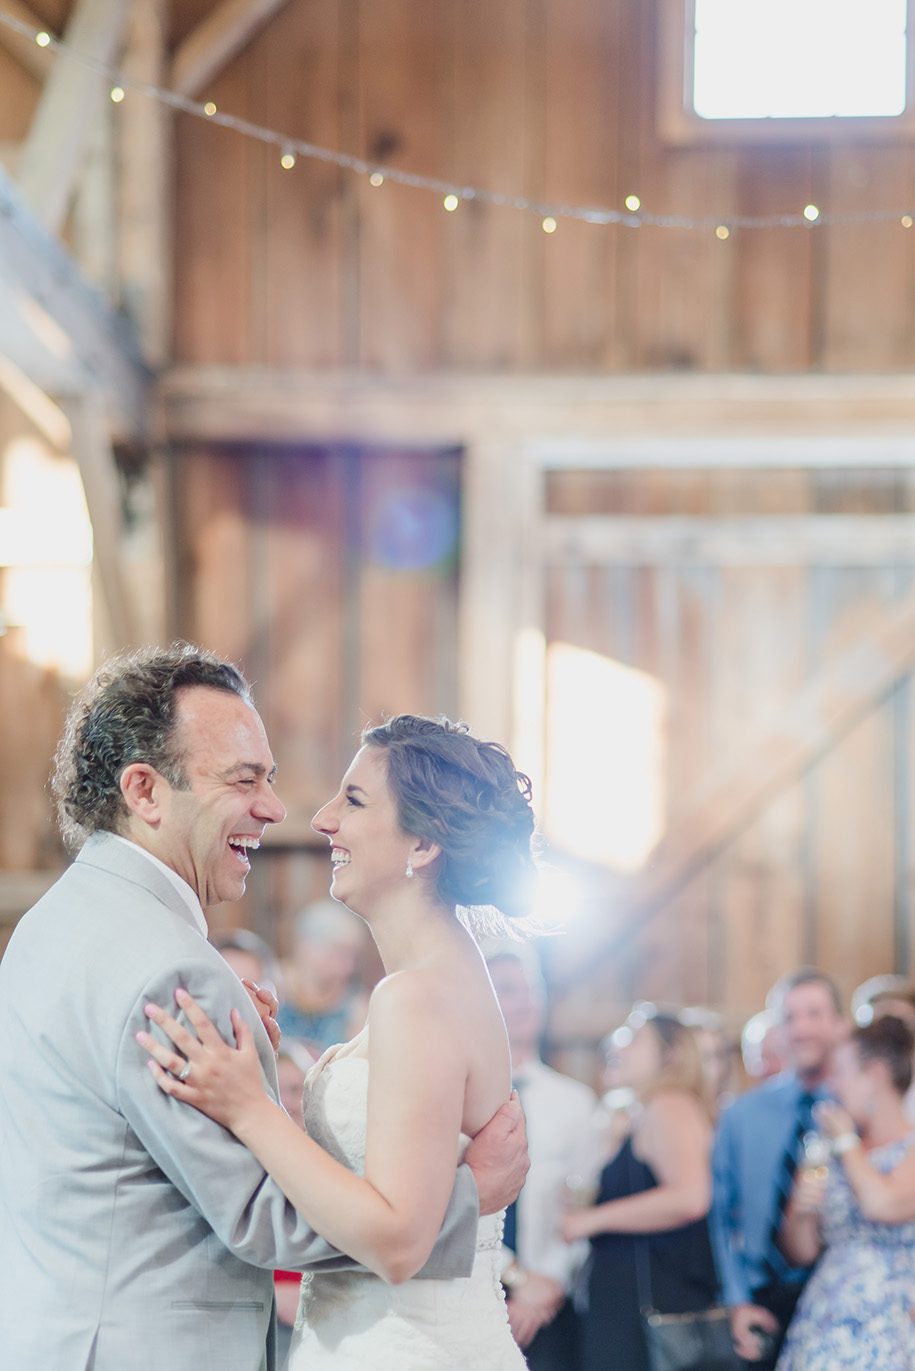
424 853
139 786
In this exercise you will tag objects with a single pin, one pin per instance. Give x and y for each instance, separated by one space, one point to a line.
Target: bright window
799 59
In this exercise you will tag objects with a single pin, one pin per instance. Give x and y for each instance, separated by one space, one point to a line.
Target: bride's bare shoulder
445 992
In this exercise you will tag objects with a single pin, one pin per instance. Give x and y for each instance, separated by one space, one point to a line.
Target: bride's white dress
352 1319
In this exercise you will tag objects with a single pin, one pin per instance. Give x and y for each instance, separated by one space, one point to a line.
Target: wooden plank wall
331 576
824 872
545 98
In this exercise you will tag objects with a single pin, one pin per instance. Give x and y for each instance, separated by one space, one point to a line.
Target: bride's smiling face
369 849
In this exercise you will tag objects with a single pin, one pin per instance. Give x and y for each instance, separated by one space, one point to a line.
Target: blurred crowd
767 1184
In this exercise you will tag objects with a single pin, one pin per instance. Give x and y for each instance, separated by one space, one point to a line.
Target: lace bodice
334 1107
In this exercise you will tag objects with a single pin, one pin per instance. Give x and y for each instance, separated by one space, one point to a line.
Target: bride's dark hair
465 795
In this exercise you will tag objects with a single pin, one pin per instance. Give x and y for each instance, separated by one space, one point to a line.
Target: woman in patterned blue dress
858 1310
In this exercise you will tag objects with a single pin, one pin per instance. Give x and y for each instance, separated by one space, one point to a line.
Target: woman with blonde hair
647 1227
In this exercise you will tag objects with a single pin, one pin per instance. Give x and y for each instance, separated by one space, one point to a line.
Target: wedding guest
324 1002
293 1061
250 957
883 995
856 1312
716 1051
762 1047
758 1142
538 1265
648 1225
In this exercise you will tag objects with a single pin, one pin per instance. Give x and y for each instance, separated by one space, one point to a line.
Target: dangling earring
409 870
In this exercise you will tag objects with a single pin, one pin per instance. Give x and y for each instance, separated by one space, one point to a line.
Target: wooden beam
37 61
717 420
93 221
222 35
145 188
848 686
62 334
95 457
801 540
69 102
498 571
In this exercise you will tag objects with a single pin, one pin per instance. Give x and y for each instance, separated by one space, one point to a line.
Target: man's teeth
243 843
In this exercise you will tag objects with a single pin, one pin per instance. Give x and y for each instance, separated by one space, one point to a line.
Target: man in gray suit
135 1232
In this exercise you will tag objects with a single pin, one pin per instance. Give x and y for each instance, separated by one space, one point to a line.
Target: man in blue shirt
756 1146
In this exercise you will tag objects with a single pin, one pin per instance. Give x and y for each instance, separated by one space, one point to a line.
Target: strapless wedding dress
352 1320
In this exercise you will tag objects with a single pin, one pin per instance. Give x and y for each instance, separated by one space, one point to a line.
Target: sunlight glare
46 553
604 797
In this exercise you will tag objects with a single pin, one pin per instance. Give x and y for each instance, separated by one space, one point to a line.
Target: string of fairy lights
633 215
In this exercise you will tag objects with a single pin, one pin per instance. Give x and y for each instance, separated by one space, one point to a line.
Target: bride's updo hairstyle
465 795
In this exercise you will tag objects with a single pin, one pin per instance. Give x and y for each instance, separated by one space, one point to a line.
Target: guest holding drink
859 1212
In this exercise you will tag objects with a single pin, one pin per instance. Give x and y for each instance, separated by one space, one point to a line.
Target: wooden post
93 452
56 140
145 187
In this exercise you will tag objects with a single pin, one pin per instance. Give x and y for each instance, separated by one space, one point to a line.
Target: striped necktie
784 1179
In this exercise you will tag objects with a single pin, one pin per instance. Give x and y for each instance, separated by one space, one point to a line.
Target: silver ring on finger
185 1071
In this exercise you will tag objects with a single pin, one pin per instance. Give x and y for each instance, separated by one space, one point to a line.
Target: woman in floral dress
857 1310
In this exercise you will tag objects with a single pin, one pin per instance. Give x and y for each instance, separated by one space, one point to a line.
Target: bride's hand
221 1081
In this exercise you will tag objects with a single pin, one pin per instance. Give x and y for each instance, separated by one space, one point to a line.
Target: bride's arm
389 1221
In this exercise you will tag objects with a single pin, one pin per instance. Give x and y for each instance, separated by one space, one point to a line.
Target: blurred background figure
762 1046
293 1062
251 958
758 1145
648 1225
538 1264
325 1002
887 995
856 1311
717 1051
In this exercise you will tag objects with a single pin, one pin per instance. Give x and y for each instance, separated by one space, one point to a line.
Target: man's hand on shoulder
266 1004
498 1157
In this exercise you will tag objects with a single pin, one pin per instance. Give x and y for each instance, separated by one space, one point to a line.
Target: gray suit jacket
135 1232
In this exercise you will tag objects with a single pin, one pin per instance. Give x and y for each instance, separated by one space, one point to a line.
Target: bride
427 818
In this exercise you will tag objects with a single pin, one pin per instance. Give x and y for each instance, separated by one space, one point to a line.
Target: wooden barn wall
550 99
824 873
331 576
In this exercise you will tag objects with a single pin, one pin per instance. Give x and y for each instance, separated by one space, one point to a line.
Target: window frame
678 123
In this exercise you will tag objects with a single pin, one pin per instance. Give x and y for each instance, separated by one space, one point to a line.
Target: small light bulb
549 224
42 39
633 202
117 94
811 213
287 161
906 221
376 179
722 232
451 203
209 108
